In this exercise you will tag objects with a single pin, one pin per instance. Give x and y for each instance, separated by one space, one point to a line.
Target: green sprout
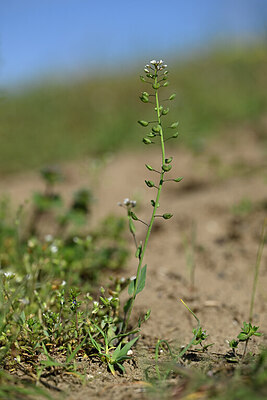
156 77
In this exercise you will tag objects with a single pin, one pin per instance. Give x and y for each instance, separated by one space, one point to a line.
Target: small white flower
161 62
122 279
96 304
133 203
54 249
9 274
109 298
63 283
153 62
48 238
129 352
126 202
132 278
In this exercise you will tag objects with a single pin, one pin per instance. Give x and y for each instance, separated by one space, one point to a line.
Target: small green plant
156 77
247 331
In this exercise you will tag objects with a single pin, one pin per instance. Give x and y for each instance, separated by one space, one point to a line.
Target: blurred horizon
58 40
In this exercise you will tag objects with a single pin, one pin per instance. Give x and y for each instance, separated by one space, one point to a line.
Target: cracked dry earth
225 249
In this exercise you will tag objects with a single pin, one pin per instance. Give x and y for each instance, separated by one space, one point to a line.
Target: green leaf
143 123
120 354
128 303
242 336
131 287
142 280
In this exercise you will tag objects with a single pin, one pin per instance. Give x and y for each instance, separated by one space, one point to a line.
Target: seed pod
178 179
166 167
168 160
156 86
174 125
153 203
167 216
144 99
164 112
166 72
146 141
164 78
166 84
143 123
142 78
145 94
175 135
149 167
156 128
172 96
151 134
150 184
138 251
134 216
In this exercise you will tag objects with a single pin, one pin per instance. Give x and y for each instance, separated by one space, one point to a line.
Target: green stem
154 209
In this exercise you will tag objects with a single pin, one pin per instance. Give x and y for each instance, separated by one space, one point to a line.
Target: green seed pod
166 84
149 167
160 108
165 112
153 203
178 179
150 184
134 216
174 125
156 128
175 135
156 86
167 216
166 72
164 78
168 160
166 167
144 99
151 134
172 96
145 94
138 251
146 141
142 78
150 76
143 123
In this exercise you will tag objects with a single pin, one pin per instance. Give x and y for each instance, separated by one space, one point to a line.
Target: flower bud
150 184
156 86
143 123
149 167
167 216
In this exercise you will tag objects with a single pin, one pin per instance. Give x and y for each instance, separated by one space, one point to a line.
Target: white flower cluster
157 65
127 203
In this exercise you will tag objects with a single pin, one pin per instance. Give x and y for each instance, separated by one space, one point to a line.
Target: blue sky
39 38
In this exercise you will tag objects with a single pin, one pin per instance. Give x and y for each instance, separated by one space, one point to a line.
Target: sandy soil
225 250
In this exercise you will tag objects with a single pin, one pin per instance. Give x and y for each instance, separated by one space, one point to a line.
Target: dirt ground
228 171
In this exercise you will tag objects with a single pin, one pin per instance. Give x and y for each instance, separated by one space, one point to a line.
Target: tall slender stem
157 106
